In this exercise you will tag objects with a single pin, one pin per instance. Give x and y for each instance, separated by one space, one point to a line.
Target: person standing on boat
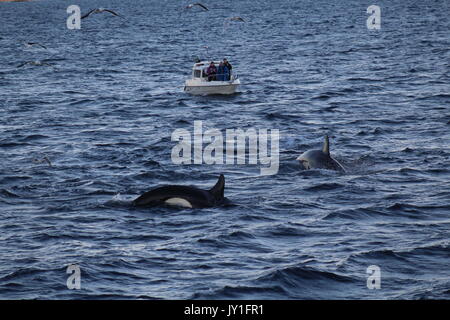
220 74
228 65
211 72
226 73
223 74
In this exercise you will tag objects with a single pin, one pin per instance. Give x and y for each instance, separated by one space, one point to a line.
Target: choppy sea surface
107 98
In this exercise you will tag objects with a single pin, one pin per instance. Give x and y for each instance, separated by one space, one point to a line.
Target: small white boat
203 84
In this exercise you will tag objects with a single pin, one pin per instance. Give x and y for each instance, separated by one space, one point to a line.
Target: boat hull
212 87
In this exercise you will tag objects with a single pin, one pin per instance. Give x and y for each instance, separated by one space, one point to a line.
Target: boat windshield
197 73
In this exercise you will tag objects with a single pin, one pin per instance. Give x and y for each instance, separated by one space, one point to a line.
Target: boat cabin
199 72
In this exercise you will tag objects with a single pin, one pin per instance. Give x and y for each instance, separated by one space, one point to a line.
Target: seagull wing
201 5
23 64
88 14
40 45
46 159
110 11
35 44
237 19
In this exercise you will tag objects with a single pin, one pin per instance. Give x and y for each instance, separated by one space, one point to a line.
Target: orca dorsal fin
326 145
218 190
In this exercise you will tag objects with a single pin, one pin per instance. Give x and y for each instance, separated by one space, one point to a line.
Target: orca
183 196
320 159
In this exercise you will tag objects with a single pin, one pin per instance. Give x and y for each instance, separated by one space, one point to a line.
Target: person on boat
211 72
226 73
228 65
222 72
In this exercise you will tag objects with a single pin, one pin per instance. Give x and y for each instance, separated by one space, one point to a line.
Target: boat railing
232 77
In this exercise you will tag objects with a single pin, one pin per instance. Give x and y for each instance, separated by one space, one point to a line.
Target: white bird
197 4
236 19
44 159
100 10
34 63
207 50
30 44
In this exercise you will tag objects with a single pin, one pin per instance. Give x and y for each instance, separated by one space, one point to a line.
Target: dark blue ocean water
104 112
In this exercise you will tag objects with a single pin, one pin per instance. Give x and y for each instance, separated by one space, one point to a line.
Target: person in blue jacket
228 65
226 73
220 72
223 73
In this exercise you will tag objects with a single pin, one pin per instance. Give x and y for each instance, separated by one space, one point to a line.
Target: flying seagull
100 10
236 19
197 4
30 44
44 159
207 49
34 63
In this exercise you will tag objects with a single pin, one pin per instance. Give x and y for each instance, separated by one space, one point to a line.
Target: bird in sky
236 19
34 63
42 160
30 44
197 4
100 10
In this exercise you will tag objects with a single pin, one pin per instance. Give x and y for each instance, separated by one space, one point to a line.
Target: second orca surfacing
183 196
320 159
